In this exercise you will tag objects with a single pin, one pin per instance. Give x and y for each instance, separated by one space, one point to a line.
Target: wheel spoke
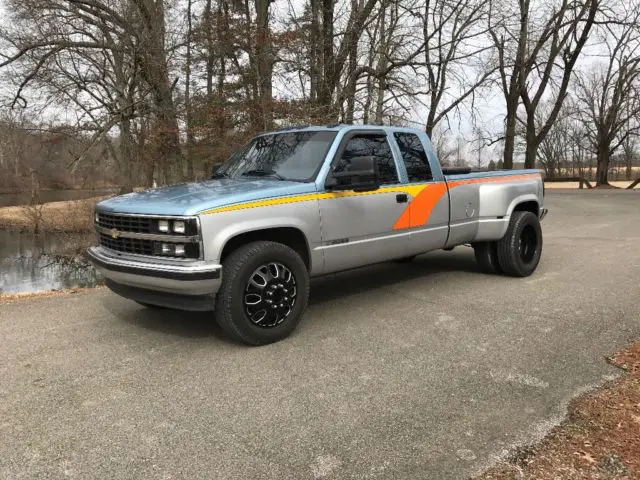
274 270
252 299
259 316
270 295
259 280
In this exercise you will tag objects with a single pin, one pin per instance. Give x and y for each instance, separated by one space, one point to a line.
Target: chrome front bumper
184 278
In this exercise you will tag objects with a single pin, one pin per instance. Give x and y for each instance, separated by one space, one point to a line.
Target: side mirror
361 176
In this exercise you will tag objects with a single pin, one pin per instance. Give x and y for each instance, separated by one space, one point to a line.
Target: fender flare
529 197
227 233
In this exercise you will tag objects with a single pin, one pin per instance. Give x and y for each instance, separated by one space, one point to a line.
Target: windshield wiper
264 173
220 175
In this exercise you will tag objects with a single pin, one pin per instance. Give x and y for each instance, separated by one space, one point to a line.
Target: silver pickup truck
304 202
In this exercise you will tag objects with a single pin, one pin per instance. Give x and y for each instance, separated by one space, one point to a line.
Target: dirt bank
69 216
17 297
599 440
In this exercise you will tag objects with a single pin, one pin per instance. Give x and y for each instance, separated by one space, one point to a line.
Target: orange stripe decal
419 210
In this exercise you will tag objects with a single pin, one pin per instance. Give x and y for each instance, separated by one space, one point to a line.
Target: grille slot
127 245
125 223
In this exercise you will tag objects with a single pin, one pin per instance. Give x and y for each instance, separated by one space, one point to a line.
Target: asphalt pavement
426 370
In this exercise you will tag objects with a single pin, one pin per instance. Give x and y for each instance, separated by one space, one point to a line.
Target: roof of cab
335 127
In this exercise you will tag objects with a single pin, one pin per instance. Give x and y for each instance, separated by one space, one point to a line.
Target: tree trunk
167 138
353 64
602 172
532 142
211 57
314 57
168 153
187 96
126 156
430 123
264 63
382 65
510 136
327 83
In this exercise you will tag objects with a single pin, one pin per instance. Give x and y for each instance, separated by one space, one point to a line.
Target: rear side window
370 145
414 157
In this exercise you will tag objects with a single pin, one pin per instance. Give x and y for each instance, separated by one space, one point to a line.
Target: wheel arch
525 203
291 236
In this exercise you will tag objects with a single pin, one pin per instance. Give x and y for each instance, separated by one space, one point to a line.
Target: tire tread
507 247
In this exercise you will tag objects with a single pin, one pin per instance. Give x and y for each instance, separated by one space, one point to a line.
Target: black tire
232 307
487 256
520 249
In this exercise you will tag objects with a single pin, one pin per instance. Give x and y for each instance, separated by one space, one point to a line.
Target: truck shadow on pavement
324 289
352 282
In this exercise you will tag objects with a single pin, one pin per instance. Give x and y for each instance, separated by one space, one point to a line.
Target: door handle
402 198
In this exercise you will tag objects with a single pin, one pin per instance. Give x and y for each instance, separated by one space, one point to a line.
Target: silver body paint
342 231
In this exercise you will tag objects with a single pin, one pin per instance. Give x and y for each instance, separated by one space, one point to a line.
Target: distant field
619 184
618 174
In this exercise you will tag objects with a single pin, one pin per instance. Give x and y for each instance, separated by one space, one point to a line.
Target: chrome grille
127 245
141 235
125 223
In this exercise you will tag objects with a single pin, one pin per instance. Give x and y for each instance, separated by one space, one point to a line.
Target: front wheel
520 249
264 292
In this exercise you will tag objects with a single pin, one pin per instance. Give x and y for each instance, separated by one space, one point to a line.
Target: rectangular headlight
179 250
163 226
179 226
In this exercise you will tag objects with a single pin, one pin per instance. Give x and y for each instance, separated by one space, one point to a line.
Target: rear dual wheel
487 256
518 253
520 249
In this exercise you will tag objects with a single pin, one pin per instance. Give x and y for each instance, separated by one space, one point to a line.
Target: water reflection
31 263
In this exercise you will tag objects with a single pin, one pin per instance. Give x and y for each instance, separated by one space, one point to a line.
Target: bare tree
479 143
629 155
608 95
537 51
455 54
554 150
41 31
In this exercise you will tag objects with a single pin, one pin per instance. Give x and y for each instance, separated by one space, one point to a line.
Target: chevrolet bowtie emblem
115 233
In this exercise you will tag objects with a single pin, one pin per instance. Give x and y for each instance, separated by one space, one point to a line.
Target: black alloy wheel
270 295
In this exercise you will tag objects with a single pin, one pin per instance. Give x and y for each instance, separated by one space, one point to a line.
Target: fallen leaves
600 438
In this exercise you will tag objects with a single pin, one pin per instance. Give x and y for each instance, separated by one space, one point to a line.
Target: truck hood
193 198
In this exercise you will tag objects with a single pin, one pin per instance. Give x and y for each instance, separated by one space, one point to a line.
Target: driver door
357 227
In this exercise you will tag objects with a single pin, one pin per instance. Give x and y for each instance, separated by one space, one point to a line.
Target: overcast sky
489 106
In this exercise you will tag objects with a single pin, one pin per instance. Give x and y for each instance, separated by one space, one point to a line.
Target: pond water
32 263
24 198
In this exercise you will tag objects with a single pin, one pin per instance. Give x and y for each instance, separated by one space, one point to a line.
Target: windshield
295 156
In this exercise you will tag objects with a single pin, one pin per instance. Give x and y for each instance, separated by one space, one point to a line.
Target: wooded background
137 92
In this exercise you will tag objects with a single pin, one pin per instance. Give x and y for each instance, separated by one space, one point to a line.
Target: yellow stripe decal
412 190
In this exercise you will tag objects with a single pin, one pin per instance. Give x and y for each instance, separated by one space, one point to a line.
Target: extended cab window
375 145
414 157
